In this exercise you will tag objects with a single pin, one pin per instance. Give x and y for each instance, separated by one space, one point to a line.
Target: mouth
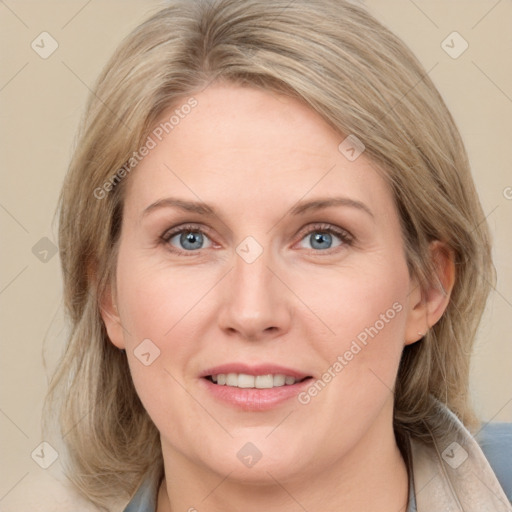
246 381
254 388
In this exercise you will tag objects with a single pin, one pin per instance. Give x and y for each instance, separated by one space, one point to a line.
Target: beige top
453 475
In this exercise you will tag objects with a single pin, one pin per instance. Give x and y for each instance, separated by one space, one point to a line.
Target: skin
253 155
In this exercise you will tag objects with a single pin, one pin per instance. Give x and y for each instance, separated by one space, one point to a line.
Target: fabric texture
452 473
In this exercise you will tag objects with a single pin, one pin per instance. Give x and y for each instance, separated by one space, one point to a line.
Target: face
255 254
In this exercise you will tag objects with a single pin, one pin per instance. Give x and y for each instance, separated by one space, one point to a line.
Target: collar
450 471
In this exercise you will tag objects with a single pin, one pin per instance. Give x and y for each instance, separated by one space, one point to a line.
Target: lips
253 388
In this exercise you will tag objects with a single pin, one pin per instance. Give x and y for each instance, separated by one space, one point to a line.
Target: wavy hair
363 80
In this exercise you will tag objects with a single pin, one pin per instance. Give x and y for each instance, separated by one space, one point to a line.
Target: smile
253 387
243 380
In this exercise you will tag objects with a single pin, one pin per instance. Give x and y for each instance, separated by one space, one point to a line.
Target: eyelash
345 237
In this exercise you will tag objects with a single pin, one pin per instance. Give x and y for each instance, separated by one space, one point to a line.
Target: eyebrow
303 207
299 209
189 206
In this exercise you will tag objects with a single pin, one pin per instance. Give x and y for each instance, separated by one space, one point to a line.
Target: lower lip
252 399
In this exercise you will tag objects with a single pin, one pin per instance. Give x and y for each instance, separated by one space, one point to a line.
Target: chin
255 460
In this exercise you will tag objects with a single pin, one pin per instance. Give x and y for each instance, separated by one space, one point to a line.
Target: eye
186 239
324 237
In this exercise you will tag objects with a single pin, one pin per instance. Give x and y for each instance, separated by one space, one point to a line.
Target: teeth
242 380
289 380
245 381
232 379
280 380
264 381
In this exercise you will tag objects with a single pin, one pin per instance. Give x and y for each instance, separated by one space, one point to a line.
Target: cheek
156 299
166 306
365 310
360 304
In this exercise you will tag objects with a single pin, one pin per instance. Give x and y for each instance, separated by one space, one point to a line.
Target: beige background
41 101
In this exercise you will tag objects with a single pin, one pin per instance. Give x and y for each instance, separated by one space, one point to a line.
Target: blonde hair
363 81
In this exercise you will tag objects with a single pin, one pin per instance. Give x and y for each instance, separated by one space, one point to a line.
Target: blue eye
323 238
188 239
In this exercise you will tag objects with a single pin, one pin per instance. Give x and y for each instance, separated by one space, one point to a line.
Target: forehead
252 149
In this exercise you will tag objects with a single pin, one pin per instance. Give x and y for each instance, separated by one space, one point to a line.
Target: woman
274 263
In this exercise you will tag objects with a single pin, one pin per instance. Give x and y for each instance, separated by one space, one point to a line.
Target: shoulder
42 491
453 471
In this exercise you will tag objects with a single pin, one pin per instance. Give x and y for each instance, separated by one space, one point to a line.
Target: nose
257 305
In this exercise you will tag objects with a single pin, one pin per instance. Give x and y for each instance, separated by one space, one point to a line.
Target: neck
372 476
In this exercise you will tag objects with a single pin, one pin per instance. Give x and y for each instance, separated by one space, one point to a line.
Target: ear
111 318
428 305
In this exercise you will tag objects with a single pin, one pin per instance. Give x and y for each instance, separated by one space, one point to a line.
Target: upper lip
256 369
